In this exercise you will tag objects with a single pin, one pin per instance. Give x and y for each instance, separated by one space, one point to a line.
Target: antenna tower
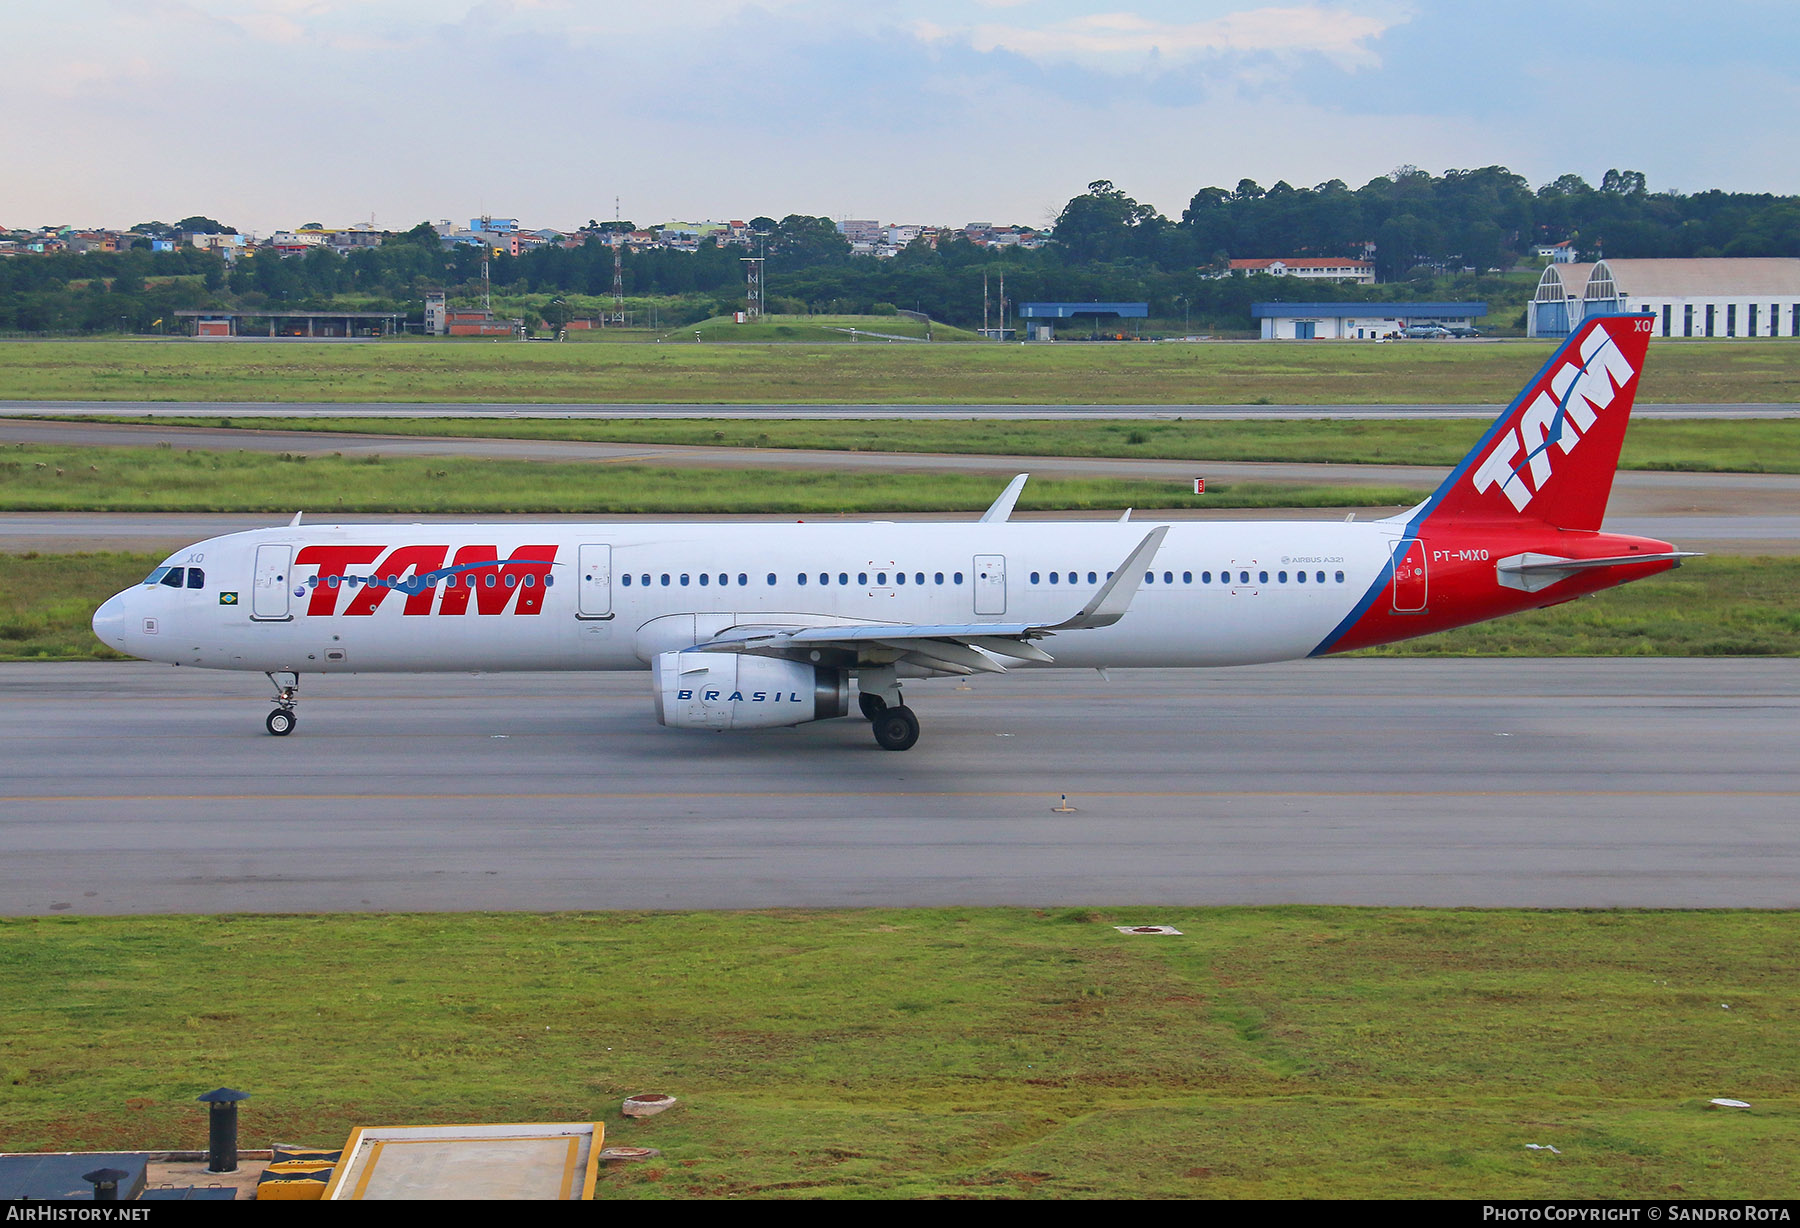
618 261
618 268
753 298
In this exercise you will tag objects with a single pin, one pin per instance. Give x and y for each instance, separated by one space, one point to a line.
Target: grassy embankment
672 372
1718 606
1690 445
1279 1052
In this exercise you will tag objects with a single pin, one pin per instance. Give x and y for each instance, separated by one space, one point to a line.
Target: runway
330 409
132 788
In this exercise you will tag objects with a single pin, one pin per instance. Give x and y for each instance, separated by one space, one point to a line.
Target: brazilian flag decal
227 598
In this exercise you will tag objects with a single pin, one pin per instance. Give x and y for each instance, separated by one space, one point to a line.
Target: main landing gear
281 722
895 726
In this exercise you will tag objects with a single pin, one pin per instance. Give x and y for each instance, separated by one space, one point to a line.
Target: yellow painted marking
568 1181
593 1164
368 1171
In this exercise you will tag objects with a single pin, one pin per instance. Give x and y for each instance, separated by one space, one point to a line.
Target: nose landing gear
281 722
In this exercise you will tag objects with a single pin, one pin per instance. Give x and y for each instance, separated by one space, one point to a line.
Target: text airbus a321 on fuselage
753 626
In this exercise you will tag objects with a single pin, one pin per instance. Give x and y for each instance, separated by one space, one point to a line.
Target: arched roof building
1725 297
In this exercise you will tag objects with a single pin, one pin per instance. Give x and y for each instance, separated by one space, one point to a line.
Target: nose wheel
281 722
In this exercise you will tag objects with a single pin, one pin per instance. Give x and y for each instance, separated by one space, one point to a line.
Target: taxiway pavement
132 788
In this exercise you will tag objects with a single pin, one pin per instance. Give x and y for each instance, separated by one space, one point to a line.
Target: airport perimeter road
1543 783
325 409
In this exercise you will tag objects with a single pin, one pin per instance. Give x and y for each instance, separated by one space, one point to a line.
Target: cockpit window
172 576
196 578
156 577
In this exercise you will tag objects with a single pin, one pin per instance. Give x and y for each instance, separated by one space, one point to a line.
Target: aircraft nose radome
111 621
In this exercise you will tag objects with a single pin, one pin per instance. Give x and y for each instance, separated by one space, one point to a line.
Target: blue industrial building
1040 317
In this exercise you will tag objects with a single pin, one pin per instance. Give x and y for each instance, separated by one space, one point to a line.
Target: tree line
1461 225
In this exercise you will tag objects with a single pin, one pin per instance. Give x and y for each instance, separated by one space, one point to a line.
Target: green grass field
77 478
1729 445
708 372
1717 606
1275 1053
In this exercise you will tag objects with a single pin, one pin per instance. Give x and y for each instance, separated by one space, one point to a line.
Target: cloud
1342 36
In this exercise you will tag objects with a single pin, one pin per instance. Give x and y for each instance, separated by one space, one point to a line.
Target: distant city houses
507 236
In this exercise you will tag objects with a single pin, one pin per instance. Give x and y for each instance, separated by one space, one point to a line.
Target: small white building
1724 297
1359 272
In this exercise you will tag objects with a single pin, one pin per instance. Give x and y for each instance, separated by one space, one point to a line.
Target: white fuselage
618 594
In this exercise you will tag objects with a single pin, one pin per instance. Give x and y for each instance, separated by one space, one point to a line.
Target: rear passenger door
990 584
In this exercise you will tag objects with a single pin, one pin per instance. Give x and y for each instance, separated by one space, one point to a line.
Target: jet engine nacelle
728 690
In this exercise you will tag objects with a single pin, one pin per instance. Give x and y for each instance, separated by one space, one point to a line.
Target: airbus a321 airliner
753 626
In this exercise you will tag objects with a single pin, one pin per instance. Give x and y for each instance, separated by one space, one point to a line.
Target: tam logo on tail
1580 392
1555 448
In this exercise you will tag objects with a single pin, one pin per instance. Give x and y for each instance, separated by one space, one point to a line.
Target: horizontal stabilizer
1531 573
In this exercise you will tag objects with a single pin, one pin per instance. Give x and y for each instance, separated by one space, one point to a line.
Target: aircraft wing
952 648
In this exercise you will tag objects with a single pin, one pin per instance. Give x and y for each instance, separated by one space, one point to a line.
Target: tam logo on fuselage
514 585
1560 415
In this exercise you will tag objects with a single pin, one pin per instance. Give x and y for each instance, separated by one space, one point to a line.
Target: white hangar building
1727 297
1357 321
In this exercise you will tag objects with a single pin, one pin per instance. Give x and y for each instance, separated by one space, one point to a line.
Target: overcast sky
268 114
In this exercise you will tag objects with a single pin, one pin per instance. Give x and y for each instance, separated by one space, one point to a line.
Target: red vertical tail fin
1552 455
